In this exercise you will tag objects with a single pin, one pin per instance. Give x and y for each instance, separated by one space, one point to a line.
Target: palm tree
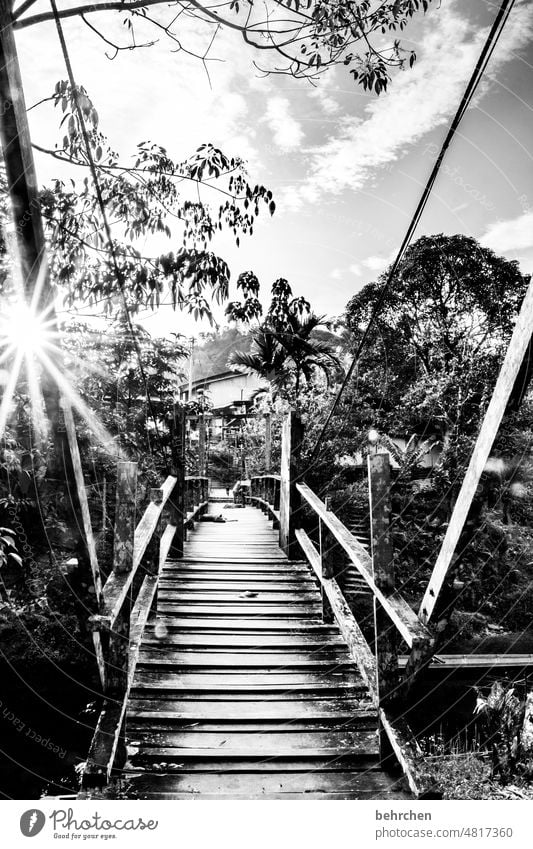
284 353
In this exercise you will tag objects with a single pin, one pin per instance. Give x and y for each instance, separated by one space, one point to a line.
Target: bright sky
346 168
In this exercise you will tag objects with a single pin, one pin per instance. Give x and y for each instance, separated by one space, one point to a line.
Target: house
228 397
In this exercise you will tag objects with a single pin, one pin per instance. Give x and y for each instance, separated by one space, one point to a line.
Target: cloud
287 132
419 100
376 263
515 234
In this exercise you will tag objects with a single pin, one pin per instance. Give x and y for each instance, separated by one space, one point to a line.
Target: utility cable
483 60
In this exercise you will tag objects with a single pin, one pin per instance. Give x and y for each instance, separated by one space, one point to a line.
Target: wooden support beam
489 428
291 444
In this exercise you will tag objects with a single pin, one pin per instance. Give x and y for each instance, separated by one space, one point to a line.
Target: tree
307 36
284 348
437 343
155 195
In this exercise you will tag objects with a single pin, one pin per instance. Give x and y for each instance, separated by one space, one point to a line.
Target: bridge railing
394 620
129 597
265 493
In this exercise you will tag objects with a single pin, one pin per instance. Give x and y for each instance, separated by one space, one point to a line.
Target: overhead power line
481 65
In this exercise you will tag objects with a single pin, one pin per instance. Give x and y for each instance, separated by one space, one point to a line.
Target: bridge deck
240 691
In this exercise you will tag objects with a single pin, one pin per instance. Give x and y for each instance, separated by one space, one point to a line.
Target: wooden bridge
231 662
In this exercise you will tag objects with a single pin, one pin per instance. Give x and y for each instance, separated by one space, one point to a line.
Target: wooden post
201 445
487 434
152 554
326 572
291 443
87 528
117 665
268 442
386 638
178 508
28 240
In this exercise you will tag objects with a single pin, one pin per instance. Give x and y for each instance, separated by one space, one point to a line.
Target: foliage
155 195
284 348
307 36
130 378
443 325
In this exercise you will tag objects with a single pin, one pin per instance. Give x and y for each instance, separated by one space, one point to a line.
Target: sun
25 332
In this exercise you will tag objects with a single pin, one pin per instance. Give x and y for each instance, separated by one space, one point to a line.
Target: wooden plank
252 786
200 761
281 641
199 585
240 611
191 660
488 431
237 622
166 709
405 620
215 686
312 744
232 596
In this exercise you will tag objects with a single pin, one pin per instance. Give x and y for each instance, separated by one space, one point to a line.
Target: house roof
211 378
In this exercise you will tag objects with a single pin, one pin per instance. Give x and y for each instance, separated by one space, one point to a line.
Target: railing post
201 445
291 443
325 557
152 553
178 507
268 442
386 637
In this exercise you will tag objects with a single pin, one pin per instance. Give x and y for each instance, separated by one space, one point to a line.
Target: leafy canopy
304 36
154 195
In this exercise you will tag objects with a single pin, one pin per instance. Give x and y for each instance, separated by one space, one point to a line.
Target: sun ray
9 391
72 397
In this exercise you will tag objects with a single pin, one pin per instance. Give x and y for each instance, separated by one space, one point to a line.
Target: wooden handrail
117 585
267 476
406 621
125 629
399 735
358 647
